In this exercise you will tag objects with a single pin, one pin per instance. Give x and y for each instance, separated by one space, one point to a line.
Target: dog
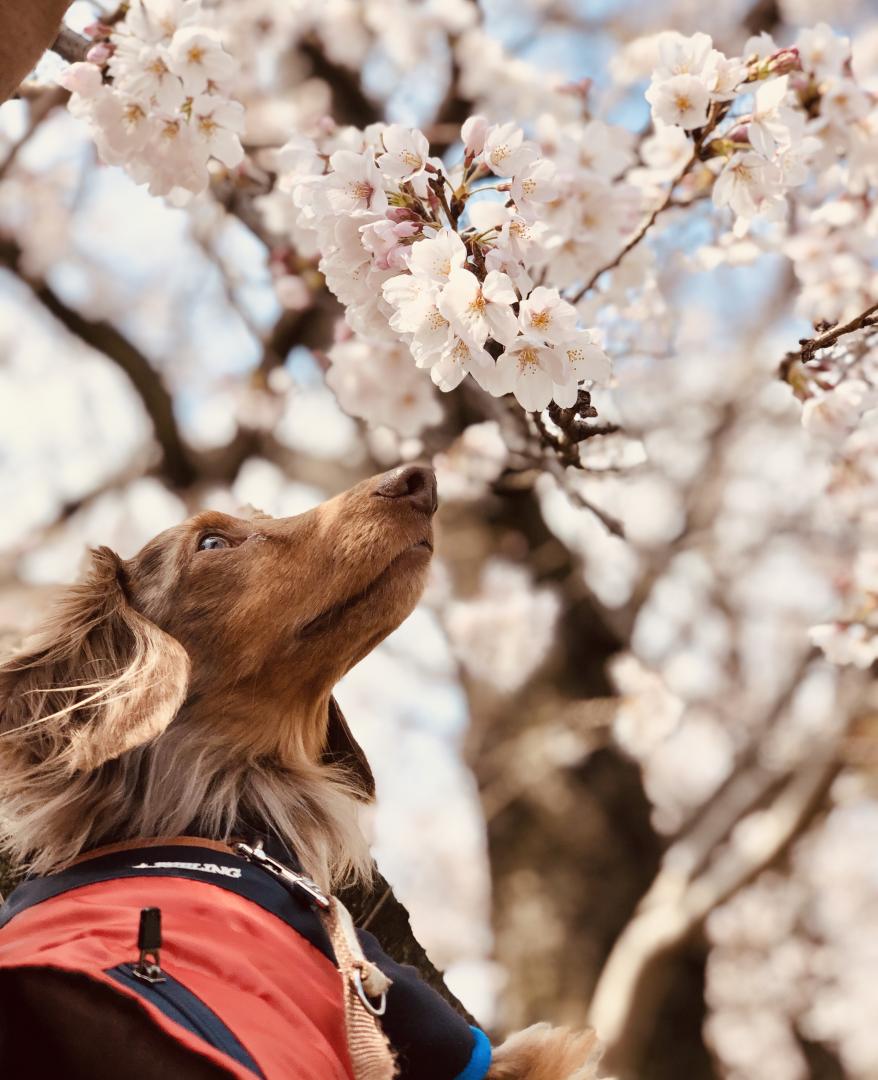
187 692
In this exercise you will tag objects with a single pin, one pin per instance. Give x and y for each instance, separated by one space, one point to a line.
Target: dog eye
212 543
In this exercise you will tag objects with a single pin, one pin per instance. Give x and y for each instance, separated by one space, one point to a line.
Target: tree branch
809 346
674 907
718 111
70 46
177 461
351 105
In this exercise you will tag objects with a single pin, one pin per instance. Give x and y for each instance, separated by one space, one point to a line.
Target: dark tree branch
39 109
351 104
809 346
177 461
70 46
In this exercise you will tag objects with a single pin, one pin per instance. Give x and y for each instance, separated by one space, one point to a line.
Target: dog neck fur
186 781
99 744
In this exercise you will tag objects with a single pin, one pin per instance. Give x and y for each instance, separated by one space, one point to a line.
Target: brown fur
542 1052
190 689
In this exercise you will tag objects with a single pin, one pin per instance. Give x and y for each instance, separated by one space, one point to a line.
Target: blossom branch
809 346
718 111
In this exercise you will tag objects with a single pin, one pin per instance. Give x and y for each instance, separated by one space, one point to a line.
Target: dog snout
414 484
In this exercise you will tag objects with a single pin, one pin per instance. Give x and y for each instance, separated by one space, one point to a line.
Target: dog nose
416 484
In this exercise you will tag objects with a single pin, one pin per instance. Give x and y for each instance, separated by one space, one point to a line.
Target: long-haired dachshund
186 693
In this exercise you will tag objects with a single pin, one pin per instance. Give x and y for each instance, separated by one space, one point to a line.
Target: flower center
527 358
133 114
195 54
362 189
541 320
683 103
408 158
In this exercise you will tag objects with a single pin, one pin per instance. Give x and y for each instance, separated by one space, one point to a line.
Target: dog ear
99 680
342 749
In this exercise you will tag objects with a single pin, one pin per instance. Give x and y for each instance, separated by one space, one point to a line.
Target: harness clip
259 857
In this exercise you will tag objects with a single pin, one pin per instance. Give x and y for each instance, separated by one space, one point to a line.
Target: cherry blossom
165 111
481 309
378 383
531 370
406 152
682 100
544 316
355 183
437 256
505 151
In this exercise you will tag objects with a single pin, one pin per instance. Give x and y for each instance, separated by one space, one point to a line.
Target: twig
40 108
719 110
639 235
809 346
70 46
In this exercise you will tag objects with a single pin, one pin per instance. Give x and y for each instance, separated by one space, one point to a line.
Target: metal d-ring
375 1010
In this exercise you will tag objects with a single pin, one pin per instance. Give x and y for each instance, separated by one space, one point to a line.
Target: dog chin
410 565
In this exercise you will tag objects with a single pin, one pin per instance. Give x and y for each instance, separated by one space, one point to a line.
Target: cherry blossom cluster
413 258
505 632
767 121
155 92
391 393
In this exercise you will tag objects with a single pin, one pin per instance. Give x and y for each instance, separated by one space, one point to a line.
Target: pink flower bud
81 78
473 134
97 30
406 228
401 213
784 61
100 53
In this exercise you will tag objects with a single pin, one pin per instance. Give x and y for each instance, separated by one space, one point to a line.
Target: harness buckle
259 857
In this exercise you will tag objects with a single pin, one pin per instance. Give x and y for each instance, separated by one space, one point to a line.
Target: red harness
249 978
261 1000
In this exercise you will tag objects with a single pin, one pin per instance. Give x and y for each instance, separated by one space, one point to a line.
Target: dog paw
543 1052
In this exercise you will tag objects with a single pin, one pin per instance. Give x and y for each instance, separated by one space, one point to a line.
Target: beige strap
371 1055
